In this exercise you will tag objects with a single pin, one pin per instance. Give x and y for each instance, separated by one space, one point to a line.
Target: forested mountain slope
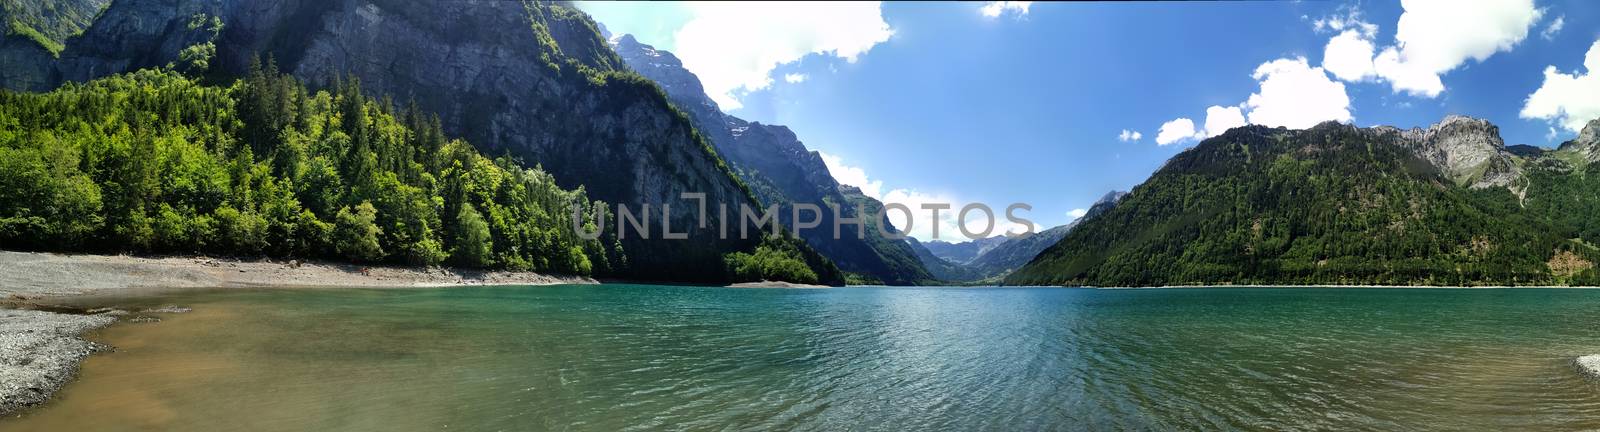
530 80
1336 204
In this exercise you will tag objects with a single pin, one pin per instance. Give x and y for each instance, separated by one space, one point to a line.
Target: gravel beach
32 275
40 352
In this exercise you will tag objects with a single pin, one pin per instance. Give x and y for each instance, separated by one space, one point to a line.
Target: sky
1056 104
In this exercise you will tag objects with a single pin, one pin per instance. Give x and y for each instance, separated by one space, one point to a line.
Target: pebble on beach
1589 366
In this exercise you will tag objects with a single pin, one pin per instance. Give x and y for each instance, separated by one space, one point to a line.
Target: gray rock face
1587 142
40 352
1466 150
1469 151
509 77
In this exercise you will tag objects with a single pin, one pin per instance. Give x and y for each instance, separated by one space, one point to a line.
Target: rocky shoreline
40 352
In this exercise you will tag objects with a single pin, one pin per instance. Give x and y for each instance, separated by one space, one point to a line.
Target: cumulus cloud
1555 26
852 176
1568 100
795 78
1349 56
1432 38
996 8
733 47
1219 119
1128 135
1177 130
1077 213
1294 94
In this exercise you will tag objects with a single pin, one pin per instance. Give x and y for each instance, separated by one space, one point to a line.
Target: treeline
153 162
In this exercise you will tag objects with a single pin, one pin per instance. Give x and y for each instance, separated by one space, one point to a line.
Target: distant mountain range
1336 204
987 260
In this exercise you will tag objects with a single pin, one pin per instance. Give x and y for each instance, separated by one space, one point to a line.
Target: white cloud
1219 119
1437 36
1349 56
1431 38
1128 135
1568 100
1077 213
852 176
1351 20
995 8
733 46
1294 94
1555 26
1180 129
921 222
795 78
1411 78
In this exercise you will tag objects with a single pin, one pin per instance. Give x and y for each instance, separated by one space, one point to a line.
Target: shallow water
623 357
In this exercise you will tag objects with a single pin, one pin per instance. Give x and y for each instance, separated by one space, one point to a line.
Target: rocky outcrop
1468 151
1587 143
779 169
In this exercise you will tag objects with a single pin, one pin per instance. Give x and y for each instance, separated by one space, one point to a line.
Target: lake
630 357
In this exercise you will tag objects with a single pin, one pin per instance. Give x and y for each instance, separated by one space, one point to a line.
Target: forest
1333 204
153 162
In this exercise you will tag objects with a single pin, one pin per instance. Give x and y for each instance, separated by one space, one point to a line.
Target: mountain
781 171
989 259
47 23
964 252
939 267
1337 204
1015 253
530 80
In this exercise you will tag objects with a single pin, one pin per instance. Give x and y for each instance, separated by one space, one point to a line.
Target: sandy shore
40 349
30 275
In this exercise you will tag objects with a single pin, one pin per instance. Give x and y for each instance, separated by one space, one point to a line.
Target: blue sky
1013 102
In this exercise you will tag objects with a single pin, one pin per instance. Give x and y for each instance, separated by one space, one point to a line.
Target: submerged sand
40 349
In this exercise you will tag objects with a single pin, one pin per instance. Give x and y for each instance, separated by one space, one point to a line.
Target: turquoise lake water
628 357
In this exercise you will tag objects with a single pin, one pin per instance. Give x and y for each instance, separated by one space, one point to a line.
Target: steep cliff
780 170
531 80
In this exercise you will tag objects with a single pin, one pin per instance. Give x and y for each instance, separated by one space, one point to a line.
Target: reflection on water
620 357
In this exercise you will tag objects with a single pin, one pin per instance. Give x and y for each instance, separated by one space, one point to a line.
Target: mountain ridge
782 171
1337 204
